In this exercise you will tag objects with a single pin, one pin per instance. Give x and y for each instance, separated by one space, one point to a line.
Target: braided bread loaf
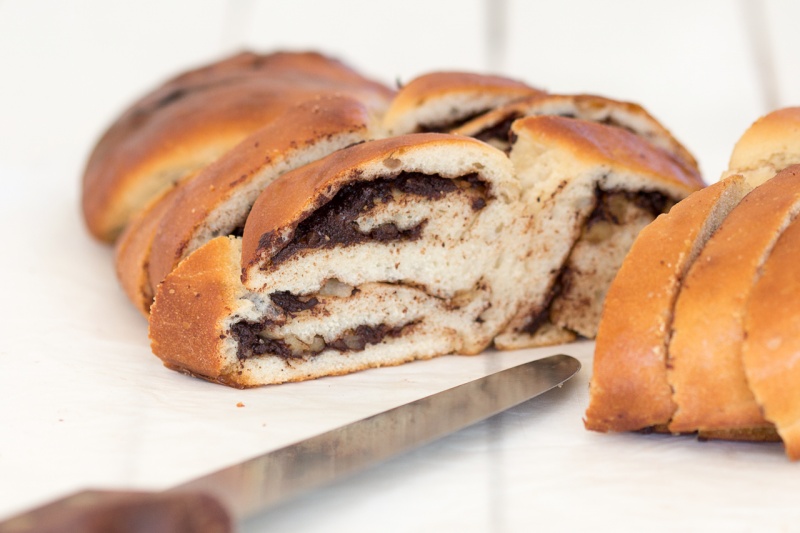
336 236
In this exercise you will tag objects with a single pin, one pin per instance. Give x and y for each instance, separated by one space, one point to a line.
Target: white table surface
84 403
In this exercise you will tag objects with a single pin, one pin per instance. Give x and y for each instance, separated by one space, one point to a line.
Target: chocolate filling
610 205
444 127
357 339
250 343
540 317
335 223
498 132
292 303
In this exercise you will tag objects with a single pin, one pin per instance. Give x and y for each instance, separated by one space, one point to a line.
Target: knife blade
211 502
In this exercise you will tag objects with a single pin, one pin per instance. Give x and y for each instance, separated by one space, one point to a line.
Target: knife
211 503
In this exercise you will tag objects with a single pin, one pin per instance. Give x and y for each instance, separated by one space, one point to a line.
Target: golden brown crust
771 349
448 82
461 86
276 147
190 306
629 388
705 367
295 195
597 144
174 130
675 148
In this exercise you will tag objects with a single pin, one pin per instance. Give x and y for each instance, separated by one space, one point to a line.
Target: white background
82 401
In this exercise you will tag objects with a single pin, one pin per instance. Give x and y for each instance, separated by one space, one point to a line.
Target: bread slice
133 247
589 189
705 351
218 201
771 344
769 145
173 131
629 388
494 126
381 253
441 101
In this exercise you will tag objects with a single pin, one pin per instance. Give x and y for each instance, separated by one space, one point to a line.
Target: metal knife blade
250 487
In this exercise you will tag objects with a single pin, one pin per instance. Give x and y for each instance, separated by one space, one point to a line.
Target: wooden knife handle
95 511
